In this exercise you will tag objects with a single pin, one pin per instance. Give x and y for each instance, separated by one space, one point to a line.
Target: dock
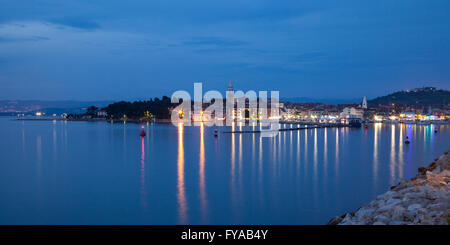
308 126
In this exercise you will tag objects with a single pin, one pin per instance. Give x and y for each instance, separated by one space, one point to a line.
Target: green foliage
148 115
153 108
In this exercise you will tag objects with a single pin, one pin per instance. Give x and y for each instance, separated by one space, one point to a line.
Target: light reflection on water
102 173
182 205
204 201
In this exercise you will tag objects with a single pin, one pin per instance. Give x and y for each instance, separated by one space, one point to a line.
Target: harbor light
180 114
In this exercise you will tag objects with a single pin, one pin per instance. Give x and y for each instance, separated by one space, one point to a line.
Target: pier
305 126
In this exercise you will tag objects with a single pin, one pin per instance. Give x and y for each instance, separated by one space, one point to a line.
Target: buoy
435 130
407 140
215 133
142 134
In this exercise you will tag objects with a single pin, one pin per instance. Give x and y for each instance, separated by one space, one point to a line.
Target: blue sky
102 50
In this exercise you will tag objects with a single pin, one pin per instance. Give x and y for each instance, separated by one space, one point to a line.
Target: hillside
422 96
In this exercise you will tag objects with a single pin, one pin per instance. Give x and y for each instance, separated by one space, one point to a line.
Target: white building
352 112
102 113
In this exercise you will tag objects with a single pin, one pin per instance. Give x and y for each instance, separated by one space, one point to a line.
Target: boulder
423 200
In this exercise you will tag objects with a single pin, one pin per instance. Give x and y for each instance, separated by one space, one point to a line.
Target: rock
379 223
336 220
381 218
423 200
387 208
398 213
409 216
393 202
437 206
422 170
436 170
414 207
364 212
397 222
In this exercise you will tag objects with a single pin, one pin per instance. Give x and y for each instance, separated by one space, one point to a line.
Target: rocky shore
423 200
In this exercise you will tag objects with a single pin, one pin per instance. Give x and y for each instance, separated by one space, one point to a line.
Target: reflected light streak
375 151
325 157
392 155
143 191
233 165
253 149
306 150
291 151
240 156
337 147
202 186
260 175
233 160
336 163
181 196
315 192
315 151
400 153
298 153
260 158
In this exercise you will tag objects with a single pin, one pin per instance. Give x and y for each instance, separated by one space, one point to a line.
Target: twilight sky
102 50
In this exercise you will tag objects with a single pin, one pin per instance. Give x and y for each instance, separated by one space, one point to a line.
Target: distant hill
426 96
69 106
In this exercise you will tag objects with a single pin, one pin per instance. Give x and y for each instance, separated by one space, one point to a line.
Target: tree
92 110
148 115
150 109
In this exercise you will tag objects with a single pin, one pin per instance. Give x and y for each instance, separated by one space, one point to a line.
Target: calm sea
54 172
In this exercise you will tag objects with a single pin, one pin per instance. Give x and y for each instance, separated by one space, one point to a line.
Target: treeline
153 108
428 96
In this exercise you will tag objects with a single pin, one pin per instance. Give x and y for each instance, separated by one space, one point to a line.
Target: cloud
77 23
22 39
214 41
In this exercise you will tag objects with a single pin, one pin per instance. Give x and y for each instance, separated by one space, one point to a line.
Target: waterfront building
242 114
348 112
315 115
102 113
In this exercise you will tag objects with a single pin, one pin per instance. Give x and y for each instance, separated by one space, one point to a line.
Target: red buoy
215 132
142 134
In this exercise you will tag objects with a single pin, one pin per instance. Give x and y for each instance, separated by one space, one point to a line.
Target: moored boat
354 122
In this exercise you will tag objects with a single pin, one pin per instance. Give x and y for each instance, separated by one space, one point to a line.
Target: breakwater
423 200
